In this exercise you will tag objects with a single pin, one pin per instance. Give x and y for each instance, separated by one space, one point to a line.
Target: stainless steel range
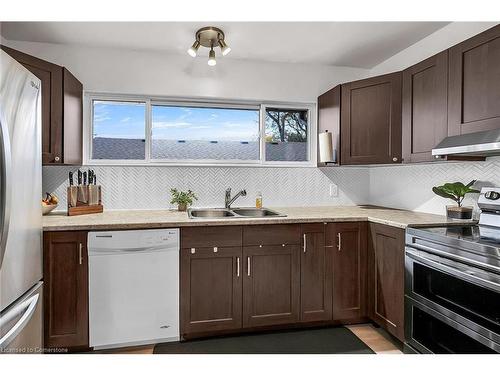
452 284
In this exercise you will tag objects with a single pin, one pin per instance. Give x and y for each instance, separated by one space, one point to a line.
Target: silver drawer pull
193 250
215 249
339 246
248 266
238 267
80 253
305 241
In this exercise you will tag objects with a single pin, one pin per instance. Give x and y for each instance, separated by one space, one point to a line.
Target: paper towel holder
327 153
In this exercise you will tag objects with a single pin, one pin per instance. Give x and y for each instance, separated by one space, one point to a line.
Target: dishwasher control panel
133 239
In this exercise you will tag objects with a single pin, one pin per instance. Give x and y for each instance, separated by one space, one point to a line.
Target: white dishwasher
133 287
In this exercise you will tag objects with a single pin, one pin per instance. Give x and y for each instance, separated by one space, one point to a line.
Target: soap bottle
258 200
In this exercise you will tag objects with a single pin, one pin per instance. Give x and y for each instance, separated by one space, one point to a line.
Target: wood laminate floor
376 338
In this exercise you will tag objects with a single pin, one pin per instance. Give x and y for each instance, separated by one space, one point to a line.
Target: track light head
193 49
211 58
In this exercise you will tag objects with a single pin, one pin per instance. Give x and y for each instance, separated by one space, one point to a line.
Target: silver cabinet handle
339 246
80 253
305 240
394 159
248 266
238 267
57 158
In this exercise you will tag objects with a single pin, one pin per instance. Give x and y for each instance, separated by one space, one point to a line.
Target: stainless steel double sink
231 213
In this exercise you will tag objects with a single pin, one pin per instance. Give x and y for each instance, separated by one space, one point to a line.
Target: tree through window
286 134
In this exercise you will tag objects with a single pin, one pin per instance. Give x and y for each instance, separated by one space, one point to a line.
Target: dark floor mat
337 340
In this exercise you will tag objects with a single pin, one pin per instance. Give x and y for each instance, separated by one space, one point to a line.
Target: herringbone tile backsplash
405 186
133 187
410 186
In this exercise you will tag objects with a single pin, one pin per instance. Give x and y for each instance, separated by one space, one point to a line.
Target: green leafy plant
455 191
182 197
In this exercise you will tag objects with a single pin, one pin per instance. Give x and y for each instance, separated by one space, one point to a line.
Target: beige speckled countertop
143 219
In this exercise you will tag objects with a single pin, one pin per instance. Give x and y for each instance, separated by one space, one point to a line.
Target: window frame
149 101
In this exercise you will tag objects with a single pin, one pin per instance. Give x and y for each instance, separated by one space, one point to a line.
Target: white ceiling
356 44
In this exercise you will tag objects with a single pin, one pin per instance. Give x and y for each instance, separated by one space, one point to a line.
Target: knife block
84 199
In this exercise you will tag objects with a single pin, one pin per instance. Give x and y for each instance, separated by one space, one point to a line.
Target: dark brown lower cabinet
386 278
65 270
315 275
211 287
348 243
271 285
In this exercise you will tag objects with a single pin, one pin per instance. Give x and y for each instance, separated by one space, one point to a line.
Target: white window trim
89 97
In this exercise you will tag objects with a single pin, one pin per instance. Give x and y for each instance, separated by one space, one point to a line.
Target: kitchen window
204 133
119 130
152 131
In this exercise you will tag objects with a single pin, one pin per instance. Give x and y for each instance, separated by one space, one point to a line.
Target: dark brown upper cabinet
65 273
61 110
348 244
425 112
474 84
315 274
329 119
370 130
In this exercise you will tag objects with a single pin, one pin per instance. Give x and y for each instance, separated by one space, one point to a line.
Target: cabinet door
210 289
386 273
474 86
329 118
73 119
65 272
370 128
271 285
425 112
52 117
349 269
315 275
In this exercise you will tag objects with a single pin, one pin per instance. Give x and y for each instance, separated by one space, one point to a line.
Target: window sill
128 163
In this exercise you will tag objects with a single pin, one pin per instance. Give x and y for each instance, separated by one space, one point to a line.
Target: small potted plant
183 199
456 191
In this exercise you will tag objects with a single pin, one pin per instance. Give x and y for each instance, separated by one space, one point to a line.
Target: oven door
458 292
429 331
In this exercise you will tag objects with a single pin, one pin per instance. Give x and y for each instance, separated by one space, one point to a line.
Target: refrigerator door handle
29 305
5 163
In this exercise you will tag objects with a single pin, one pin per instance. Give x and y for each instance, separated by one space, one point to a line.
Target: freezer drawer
21 326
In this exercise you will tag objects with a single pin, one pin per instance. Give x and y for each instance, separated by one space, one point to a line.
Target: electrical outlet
334 190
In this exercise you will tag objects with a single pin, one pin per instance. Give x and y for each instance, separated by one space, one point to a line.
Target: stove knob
492 195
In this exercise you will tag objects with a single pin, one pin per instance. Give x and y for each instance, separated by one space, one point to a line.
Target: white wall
444 38
139 72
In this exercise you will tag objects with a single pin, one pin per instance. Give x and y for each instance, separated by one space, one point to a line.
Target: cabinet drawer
275 234
211 236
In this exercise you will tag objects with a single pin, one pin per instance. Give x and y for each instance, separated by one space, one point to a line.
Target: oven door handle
464 272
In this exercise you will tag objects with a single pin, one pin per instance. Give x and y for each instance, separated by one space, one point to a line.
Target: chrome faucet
229 201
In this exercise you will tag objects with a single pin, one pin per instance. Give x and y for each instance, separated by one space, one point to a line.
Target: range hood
473 144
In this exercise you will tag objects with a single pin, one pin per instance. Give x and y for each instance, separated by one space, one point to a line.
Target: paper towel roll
326 147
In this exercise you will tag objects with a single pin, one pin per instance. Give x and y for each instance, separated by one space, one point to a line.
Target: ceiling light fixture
209 37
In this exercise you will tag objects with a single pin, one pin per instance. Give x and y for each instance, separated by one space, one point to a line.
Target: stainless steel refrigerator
21 286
